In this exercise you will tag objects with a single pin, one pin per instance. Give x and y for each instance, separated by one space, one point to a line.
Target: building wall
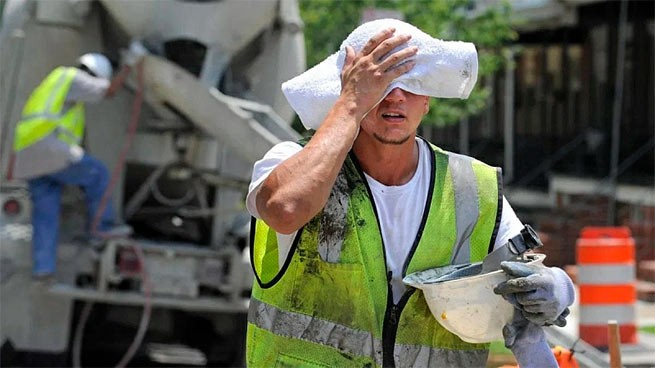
564 83
564 88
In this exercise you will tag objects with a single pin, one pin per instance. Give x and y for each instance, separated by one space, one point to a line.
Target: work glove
528 343
541 293
134 53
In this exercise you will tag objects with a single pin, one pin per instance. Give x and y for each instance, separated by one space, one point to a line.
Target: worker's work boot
44 279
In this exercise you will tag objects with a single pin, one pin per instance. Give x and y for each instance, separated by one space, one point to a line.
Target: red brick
646 271
646 291
572 271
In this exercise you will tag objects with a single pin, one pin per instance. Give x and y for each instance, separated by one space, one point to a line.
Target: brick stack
563 224
641 220
646 280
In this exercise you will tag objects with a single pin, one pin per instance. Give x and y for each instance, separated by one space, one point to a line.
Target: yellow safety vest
330 304
43 112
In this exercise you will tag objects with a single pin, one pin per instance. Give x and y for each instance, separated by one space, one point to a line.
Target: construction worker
48 152
341 218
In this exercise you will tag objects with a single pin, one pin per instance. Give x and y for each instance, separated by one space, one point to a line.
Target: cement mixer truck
206 105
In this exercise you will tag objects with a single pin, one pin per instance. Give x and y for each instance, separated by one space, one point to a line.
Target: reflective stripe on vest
355 342
43 112
466 206
344 254
308 328
425 356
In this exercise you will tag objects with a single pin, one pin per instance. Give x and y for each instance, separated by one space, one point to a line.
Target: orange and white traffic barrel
607 286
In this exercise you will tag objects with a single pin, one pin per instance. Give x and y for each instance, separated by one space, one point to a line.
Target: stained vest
44 112
331 305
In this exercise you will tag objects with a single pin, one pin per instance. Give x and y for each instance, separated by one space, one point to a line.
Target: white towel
445 69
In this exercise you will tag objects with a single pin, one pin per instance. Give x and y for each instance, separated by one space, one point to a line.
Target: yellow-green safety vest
331 305
43 112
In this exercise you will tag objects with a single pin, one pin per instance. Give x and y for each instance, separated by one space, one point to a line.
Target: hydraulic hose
118 168
147 306
143 323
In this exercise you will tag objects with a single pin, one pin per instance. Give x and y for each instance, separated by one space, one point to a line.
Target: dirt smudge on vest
311 268
320 254
333 221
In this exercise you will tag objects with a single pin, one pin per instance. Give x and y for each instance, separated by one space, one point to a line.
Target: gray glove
528 343
541 293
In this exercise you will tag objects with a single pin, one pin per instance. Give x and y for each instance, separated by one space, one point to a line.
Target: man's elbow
281 217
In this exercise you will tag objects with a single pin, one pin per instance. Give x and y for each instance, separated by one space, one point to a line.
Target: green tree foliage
328 23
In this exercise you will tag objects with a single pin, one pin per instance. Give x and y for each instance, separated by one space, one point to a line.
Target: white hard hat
466 305
96 63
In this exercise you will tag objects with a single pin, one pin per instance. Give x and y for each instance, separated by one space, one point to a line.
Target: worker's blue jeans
92 176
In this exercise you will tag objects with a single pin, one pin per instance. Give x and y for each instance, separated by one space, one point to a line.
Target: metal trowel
527 239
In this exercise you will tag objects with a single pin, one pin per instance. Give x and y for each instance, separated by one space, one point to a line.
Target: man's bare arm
118 81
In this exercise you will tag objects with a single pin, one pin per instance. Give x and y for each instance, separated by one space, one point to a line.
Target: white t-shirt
396 205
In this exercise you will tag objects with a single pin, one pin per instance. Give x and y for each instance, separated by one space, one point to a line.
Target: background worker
364 202
48 152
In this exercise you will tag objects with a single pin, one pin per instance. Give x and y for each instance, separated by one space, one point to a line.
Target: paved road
640 355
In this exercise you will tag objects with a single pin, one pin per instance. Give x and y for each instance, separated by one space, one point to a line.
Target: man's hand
528 343
130 58
134 54
366 74
521 330
541 293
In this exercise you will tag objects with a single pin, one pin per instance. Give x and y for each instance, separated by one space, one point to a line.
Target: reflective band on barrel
606 274
467 207
597 314
304 327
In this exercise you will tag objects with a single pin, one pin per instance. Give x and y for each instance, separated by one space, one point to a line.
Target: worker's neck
389 164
